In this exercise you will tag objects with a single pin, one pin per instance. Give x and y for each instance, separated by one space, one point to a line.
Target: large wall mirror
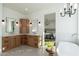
10 23
34 26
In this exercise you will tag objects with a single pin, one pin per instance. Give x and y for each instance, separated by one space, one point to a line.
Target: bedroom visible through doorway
50 30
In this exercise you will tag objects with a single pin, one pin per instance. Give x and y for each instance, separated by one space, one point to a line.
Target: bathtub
67 49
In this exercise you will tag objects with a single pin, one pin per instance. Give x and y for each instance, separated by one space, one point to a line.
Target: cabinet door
33 41
5 43
5 47
24 39
18 41
12 42
30 41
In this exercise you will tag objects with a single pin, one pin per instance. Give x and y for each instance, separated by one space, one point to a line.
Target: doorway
49 30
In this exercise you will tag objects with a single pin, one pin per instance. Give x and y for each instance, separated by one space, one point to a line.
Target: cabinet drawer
5 40
5 47
12 43
18 42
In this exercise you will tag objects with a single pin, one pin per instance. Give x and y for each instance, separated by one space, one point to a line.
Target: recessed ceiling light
26 9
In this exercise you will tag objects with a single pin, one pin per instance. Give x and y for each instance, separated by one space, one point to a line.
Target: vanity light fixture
30 24
3 21
39 23
3 48
16 22
70 9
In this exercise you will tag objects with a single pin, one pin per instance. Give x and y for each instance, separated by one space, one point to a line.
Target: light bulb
3 48
39 24
17 23
3 22
30 24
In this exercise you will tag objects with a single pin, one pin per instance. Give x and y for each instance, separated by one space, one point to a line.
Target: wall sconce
69 9
30 23
39 23
17 23
3 21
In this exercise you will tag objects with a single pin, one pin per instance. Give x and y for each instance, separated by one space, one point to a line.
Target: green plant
49 44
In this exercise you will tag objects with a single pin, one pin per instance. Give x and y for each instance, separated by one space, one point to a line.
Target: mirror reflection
10 23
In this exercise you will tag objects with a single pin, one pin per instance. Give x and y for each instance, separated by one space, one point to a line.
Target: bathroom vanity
10 42
30 40
13 40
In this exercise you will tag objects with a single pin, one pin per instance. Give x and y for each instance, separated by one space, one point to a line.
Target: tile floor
25 51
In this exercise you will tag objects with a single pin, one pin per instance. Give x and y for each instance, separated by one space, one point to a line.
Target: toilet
67 49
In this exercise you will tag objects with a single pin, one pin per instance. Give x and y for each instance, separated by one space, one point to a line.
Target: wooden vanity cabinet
23 39
18 41
33 41
30 40
24 26
10 42
5 43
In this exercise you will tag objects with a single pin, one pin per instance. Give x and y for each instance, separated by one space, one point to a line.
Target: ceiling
32 7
